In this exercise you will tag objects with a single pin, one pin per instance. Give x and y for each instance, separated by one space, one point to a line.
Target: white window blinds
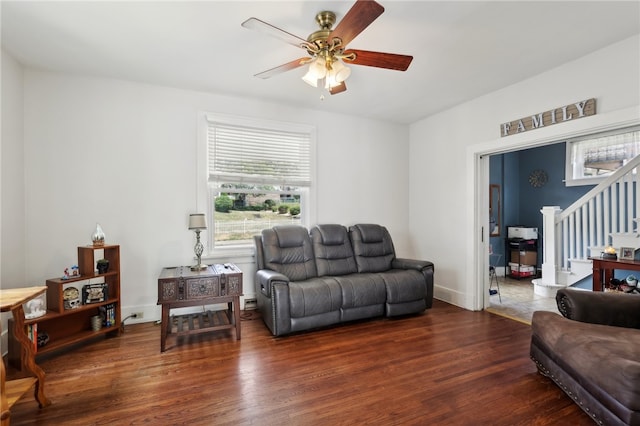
244 153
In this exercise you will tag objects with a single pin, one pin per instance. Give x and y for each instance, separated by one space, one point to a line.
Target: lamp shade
197 221
340 71
317 71
336 74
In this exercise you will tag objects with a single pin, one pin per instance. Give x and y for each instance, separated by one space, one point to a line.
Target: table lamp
197 222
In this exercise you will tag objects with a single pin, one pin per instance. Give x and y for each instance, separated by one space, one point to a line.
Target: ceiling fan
327 50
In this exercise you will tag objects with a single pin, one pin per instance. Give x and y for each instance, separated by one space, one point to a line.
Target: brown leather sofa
592 352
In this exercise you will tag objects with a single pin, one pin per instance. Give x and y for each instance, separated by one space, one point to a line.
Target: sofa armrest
265 278
426 268
607 308
419 265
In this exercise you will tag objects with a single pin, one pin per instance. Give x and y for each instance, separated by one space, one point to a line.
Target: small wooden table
603 270
180 287
11 300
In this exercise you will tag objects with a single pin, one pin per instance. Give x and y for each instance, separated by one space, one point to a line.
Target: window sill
585 181
222 254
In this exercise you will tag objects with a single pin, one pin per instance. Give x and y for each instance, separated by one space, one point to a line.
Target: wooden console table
603 270
11 300
180 287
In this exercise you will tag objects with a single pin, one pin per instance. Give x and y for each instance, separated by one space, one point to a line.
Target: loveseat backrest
288 250
333 251
372 247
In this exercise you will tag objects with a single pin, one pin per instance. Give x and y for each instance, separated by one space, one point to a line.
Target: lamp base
199 267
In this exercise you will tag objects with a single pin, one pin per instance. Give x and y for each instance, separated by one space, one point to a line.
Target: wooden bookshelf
69 326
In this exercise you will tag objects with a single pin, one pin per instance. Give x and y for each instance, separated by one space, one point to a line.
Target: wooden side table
180 287
11 300
603 270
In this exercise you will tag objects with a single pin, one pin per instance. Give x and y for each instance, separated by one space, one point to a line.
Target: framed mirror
494 210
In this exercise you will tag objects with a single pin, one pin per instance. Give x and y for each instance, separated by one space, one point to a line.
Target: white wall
12 264
442 212
124 155
12 224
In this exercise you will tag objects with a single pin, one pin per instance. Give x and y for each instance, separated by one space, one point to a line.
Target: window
592 158
259 176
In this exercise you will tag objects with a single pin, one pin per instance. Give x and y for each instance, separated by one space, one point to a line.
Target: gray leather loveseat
593 352
328 275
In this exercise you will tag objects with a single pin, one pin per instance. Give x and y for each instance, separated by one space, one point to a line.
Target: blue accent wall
496 172
521 202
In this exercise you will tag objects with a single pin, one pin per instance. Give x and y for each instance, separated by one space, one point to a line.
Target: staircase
605 216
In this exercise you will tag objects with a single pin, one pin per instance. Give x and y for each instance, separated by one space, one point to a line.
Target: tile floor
518 300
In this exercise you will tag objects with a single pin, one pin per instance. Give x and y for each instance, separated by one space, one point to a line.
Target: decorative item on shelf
36 307
71 297
614 285
197 223
98 236
108 314
71 272
43 338
94 293
96 322
103 266
609 253
627 253
630 284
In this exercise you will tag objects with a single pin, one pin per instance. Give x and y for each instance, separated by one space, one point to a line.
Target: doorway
523 146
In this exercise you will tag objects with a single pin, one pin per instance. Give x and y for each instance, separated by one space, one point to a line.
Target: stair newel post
549 266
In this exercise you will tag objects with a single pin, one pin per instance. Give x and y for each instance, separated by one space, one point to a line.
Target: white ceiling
461 50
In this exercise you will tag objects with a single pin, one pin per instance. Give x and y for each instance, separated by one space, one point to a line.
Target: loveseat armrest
607 308
266 278
418 265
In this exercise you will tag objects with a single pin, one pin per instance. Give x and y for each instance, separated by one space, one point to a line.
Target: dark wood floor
445 367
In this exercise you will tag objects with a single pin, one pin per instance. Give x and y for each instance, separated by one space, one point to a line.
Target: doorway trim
478 164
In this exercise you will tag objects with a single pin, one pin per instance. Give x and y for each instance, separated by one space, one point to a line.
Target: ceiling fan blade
361 14
266 28
390 61
338 89
284 67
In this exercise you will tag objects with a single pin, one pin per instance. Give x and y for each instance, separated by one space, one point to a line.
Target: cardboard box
524 257
521 270
522 274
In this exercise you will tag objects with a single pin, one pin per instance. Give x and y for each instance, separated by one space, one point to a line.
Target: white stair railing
608 208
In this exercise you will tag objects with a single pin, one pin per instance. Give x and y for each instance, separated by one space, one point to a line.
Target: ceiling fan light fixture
340 71
317 71
337 73
330 81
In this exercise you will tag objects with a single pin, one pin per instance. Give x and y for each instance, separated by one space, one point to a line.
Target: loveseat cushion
333 251
288 250
314 296
604 359
372 247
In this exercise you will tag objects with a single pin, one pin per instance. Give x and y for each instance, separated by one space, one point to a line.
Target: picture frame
627 253
494 210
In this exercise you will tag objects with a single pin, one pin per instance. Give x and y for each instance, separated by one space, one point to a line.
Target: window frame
208 190
570 180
